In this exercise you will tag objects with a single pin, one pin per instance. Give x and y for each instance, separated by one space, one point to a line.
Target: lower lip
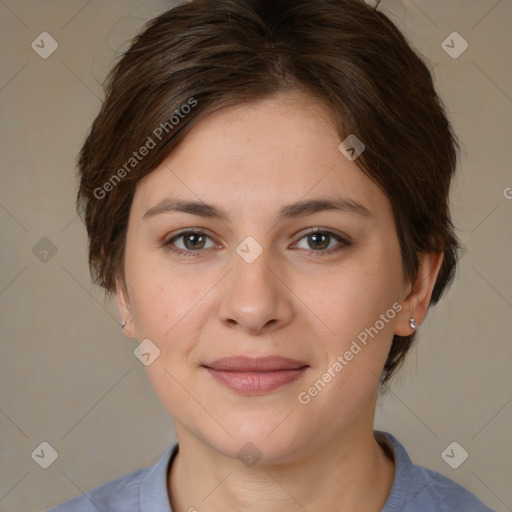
256 382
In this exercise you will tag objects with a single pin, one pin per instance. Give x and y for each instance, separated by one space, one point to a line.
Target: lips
255 375
260 364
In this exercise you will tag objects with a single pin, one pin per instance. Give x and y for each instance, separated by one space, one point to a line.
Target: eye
321 240
193 241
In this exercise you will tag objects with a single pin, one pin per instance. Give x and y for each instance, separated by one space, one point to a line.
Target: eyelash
195 253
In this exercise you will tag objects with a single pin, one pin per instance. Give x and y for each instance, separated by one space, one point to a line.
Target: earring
123 324
412 325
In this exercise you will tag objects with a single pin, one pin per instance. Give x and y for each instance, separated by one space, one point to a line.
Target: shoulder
134 492
416 488
119 494
442 494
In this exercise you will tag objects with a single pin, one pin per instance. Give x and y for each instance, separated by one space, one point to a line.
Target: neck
351 473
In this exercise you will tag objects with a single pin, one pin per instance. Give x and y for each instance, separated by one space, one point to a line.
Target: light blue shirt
415 489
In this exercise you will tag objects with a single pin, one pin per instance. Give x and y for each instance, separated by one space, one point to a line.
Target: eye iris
195 238
320 240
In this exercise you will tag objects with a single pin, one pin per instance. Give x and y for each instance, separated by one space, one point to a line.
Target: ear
416 303
124 308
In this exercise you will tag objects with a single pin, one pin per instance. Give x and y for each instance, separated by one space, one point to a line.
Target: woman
266 192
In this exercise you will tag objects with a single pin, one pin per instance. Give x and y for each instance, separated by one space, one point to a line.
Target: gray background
68 375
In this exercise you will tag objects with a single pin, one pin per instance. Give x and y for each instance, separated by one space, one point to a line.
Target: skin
293 301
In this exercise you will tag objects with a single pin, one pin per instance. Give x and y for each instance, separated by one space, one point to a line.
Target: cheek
170 308
353 297
168 302
360 307
361 314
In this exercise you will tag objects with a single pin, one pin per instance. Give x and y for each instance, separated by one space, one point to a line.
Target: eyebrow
288 211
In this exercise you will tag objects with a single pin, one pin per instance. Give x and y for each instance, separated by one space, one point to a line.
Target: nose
255 299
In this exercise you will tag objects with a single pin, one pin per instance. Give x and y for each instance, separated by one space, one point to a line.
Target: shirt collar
153 492
154 496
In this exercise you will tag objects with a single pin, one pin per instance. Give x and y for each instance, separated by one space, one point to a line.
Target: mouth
255 375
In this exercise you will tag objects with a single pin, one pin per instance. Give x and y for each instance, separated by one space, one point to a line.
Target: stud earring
412 325
123 324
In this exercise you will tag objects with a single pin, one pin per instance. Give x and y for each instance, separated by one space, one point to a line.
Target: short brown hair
219 53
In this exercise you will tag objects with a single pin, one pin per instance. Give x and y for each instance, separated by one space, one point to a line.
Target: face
274 298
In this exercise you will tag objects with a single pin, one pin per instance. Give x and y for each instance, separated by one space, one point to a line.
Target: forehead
259 155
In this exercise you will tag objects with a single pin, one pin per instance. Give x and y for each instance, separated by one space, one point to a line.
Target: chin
271 438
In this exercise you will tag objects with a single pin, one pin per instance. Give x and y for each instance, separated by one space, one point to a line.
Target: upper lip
255 364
